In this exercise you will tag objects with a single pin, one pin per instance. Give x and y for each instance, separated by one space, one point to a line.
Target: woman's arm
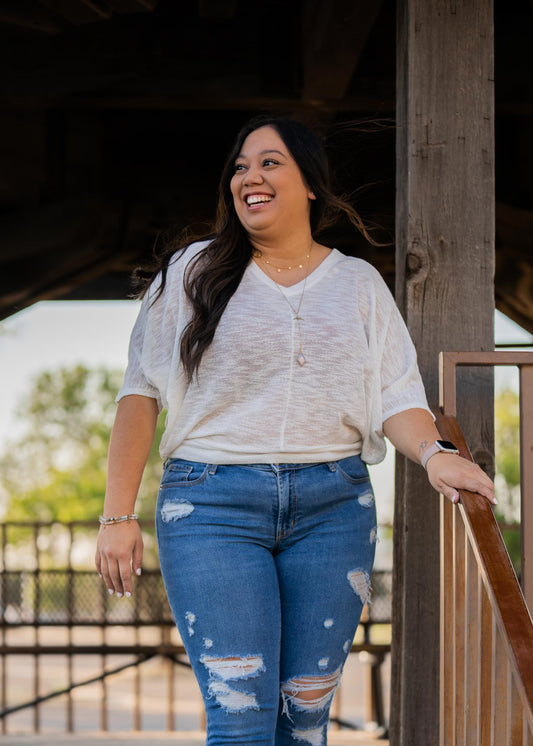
411 432
119 547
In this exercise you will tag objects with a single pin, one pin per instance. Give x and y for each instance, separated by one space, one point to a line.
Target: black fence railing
54 616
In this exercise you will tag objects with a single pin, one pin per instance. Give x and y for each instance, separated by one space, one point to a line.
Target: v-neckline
312 277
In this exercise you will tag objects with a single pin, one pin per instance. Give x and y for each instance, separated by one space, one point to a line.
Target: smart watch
439 446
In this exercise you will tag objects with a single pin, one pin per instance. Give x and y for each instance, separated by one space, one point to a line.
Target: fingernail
119 595
138 571
127 594
495 502
110 591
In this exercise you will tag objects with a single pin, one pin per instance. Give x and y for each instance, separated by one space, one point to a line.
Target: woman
282 364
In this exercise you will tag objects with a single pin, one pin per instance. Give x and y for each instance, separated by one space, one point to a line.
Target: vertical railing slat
499 689
514 725
486 669
447 633
472 672
459 626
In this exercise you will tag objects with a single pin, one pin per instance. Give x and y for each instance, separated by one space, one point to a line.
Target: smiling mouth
257 199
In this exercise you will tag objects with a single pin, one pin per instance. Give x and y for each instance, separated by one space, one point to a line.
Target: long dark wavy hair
214 274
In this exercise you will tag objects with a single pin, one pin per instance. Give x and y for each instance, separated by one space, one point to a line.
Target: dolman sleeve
136 380
395 383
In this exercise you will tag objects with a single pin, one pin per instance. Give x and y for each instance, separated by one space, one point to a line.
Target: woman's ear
311 195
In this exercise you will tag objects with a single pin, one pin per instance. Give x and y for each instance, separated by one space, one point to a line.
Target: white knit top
253 402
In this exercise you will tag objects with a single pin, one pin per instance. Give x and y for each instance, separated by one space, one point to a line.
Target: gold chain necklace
280 269
296 311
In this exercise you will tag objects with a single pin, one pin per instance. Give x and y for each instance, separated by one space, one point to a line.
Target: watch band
439 446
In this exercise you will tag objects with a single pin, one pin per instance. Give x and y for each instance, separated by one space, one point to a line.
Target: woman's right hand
119 550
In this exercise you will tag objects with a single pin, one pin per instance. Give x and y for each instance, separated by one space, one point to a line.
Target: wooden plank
79 11
473 650
28 15
444 249
217 9
485 718
133 6
499 701
447 629
514 724
514 264
459 627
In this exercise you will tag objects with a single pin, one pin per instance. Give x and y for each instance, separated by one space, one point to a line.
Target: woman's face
269 192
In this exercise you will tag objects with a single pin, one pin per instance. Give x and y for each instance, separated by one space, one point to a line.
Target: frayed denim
267 568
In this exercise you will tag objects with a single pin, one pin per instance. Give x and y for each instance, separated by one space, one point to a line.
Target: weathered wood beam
80 11
196 102
28 14
217 9
444 285
133 6
334 35
49 252
514 264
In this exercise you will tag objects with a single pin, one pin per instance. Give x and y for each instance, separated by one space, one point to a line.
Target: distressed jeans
267 568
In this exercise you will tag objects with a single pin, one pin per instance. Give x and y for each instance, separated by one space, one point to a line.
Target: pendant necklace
296 311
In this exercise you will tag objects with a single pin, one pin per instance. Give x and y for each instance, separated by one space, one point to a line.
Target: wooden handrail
486 628
448 363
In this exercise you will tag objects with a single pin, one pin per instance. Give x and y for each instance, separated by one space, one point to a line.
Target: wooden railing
486 629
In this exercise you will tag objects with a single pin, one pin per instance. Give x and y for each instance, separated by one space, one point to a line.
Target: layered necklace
296 311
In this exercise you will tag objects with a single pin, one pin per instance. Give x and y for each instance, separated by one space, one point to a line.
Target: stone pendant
301 359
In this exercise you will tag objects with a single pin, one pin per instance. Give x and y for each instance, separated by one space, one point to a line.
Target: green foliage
56 470
507 422
507 480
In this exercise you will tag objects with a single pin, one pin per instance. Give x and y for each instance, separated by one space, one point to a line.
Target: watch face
447 445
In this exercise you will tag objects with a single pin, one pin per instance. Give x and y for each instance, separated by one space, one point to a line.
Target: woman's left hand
447 473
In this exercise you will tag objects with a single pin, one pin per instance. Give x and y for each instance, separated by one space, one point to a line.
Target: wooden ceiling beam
217 9
79 12
28 14
514 264
197 102
334 35
123 7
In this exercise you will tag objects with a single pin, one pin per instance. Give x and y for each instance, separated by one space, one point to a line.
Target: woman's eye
270 162
239 167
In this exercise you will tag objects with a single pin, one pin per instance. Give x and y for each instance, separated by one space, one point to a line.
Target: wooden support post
444 287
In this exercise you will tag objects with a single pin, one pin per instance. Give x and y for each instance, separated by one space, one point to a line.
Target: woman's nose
253 175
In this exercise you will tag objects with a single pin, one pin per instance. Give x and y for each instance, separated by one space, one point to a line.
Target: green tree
56 469
507 479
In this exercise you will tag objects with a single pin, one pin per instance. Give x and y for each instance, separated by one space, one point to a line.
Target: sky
52 334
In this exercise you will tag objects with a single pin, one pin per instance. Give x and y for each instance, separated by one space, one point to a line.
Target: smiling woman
282 364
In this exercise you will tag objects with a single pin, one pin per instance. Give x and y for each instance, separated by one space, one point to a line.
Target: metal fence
56 614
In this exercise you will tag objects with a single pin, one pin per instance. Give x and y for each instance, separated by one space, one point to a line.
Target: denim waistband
266 466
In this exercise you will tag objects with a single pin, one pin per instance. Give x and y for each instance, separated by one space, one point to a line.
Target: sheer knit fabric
252 402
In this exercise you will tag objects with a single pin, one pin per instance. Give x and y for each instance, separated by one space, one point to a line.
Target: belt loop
212 469
332 466
165 463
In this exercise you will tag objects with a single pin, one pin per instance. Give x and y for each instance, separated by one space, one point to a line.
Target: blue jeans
267 568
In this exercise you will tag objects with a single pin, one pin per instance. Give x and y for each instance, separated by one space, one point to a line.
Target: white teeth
255 199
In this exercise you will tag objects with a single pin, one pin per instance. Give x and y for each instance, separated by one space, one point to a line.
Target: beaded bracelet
119 519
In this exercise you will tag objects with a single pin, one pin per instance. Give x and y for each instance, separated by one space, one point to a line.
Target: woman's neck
284 251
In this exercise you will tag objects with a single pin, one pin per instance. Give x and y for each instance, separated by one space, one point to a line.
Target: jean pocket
183 473
353 470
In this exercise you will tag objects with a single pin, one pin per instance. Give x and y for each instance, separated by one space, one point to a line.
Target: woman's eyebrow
263 152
